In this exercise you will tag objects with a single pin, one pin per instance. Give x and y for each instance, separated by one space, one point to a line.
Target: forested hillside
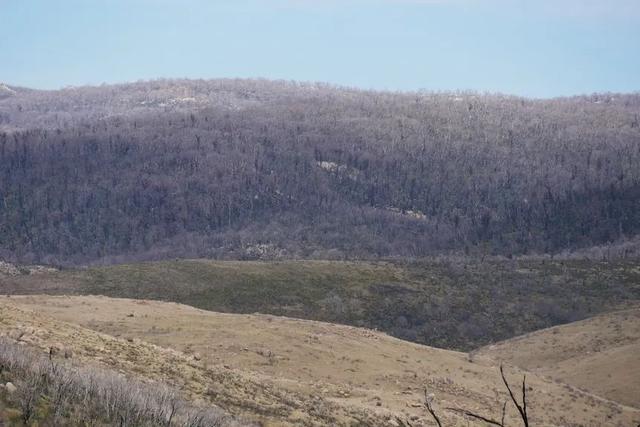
260 169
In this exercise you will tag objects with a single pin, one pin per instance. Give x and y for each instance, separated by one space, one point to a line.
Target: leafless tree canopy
219 168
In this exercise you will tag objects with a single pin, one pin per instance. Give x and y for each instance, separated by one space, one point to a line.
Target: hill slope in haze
599 354
260 169
291 372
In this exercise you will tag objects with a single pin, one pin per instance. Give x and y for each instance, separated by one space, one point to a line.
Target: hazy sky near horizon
538 48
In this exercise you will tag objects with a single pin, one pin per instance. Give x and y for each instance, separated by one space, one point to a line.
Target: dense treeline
234 168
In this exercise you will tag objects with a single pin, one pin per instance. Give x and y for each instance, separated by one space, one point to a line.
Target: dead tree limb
427 404
522 409
476 416
433 413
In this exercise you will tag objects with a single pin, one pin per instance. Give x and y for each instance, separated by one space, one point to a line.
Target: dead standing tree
521 407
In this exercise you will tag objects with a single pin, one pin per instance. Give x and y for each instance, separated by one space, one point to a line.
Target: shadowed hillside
458 304
260 170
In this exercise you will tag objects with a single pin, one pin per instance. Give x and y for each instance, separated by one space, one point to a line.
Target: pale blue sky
537 48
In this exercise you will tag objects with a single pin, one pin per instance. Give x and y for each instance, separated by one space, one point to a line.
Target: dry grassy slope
246 394
294 370
600 354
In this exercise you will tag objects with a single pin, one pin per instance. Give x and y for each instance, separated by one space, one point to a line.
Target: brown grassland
600 354
282 371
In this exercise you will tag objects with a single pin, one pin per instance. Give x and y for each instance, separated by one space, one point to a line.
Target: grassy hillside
599 354
284 371
453 304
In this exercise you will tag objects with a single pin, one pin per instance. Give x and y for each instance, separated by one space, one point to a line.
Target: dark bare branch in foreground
522 409
427 404
476 416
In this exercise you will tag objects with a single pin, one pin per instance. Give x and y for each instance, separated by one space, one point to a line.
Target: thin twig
524 399
476 416
427 404
433 414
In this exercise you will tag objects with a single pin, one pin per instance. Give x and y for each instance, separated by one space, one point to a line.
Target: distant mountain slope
456 304
6 91
292 372
600 354
260 169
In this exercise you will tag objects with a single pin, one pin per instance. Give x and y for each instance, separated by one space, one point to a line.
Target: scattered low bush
53 392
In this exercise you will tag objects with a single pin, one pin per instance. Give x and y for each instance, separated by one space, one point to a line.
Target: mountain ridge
224 168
